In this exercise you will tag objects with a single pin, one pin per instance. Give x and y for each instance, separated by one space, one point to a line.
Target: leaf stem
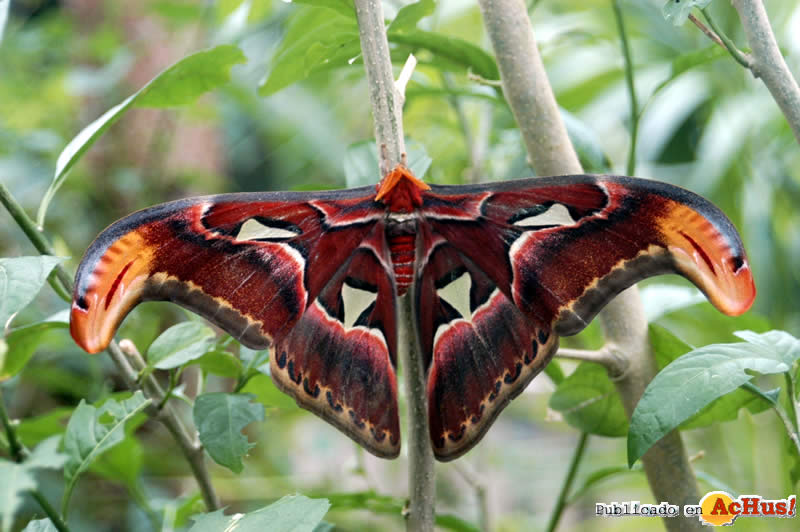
60 280
561 502
191 450
791 391
626 53
51 512
791 428
740 57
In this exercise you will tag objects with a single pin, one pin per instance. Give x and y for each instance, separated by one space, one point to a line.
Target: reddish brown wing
243 261
539 258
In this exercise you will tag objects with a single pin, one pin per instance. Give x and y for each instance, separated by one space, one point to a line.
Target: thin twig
634 112
566 487
705 29
167 416
51 512
614 364
767 61
740 57
387 112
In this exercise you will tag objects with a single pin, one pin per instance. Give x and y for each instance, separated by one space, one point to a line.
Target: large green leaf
92 431
668 347
180 344
21 278
293 513
220 418
180 84
696 379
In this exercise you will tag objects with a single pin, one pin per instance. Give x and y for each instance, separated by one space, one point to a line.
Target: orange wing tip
114 287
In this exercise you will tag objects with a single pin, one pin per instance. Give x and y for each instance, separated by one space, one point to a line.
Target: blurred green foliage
295 116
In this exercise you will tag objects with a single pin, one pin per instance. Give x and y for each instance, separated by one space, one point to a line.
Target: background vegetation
294 115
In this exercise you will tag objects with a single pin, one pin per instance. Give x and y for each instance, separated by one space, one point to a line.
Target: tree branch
386 103
149 386
531 100
767 61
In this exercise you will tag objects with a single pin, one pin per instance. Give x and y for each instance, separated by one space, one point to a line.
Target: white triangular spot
355 302
557 214
457 294
252 229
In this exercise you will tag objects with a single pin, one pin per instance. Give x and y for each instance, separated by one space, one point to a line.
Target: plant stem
791 392
626 53
767 62
51 512
531 99
739 56
527 89
561 502
386 102
387 107
60 280
16 448
614 364
150 386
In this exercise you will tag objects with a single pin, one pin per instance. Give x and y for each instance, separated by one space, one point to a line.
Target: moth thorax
402 246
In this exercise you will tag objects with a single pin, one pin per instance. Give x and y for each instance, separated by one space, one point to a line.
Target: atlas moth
496 273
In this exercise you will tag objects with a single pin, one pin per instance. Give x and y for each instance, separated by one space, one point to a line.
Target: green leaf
121 463
40 525
89 434
293 513
266 393
452 49
589 402
22 343
21 278
46 455
254 360
668 347
693 381
180 344
409 15
219 363
677 11
317 39
180 84
343 7
19 478
220 418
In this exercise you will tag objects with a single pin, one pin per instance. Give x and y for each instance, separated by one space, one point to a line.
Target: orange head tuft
400 191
